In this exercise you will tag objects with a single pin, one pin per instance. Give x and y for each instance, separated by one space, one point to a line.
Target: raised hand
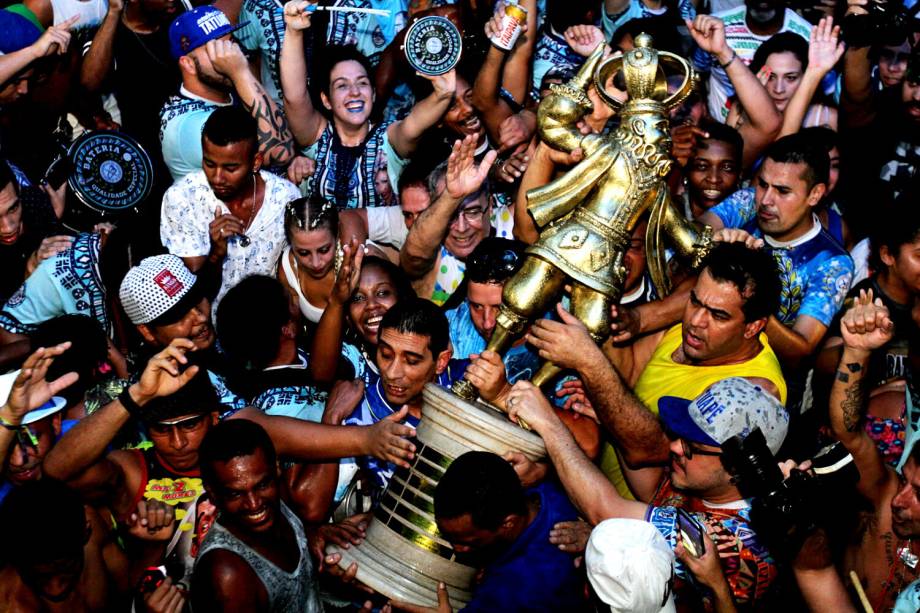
584 39
866 325
162 376
516 130
296 15
514 167
346 281
708 33
824 47
30 389
54 40
736 235
227 58
464 177
684 142
444 85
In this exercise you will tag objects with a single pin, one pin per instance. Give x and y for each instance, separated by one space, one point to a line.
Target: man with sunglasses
691 433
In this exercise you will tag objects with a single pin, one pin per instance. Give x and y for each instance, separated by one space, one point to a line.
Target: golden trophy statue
586 216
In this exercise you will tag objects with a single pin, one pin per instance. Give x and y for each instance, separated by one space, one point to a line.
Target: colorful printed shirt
188 208
353 187
182 120
815 269
746 562
374 407
65 284
369 33
264 32
744 43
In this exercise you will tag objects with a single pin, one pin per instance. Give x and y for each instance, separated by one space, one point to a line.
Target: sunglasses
688 449
186 425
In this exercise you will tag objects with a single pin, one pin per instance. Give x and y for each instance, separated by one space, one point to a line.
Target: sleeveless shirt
662 376
312 313
294 591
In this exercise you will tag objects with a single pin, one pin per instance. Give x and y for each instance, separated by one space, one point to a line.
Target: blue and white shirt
551 50
815 269
369 33
264 32
375 407
637 10
182 120
66 284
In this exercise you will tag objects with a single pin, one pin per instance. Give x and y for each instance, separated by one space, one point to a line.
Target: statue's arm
690 241
559 113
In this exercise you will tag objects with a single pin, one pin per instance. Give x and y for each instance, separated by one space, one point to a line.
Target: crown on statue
646 84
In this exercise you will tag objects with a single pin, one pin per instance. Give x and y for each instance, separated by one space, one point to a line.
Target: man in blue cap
215 72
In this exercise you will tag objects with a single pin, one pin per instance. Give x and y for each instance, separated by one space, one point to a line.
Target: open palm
31 390
464 176
825 48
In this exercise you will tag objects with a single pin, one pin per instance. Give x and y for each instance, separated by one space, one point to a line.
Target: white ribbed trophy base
404 557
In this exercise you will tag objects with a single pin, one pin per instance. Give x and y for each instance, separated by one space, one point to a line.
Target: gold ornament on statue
586 216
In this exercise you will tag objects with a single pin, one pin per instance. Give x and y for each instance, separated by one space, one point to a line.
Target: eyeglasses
472 214
687 448
186 425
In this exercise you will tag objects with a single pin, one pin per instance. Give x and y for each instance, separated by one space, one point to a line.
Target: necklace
245 241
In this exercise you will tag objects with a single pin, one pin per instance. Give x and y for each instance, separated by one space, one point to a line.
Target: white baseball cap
49 408
730 407
155 286
631 566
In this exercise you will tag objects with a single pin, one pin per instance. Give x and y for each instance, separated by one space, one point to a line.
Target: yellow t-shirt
664 377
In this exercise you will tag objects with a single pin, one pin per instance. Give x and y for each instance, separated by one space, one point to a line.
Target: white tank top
91 12
290 274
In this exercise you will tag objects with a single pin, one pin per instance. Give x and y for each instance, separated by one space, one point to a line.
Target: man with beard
255 556
746 27
494 523
814 268
227 220
215 73
883 555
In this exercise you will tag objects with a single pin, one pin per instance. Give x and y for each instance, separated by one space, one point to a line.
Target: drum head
433 45
112 173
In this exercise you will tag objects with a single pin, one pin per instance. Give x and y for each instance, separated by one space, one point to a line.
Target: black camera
785 511
887 22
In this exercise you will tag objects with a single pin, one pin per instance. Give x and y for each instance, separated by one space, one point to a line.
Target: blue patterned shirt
65 284
264 32
551 50
815 269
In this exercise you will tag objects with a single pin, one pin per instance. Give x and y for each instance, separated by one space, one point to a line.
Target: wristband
8 425
129 404
729 62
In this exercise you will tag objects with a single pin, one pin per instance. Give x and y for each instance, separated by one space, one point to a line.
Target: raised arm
587 487
559 113
85 445
29 392
404 135
865 327
765 121
275 141
54 40
857 99
420 252
307 123
824 51
99 60
635 429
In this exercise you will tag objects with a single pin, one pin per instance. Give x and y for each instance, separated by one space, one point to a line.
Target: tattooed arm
865 327
275 141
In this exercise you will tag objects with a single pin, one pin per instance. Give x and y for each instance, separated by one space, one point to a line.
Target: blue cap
196 27
16 32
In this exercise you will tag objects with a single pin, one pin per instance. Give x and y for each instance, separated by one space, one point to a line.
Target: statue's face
653 129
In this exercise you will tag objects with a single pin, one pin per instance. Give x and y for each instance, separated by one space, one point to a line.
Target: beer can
512 22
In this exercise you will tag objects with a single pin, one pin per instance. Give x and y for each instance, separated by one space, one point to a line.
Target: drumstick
860 592
348 9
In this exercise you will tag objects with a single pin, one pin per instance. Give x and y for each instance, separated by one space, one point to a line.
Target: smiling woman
347 146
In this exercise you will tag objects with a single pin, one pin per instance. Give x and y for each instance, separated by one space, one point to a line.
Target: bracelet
8 425
729 62
129 404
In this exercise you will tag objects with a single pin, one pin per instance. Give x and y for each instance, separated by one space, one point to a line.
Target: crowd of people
204 392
